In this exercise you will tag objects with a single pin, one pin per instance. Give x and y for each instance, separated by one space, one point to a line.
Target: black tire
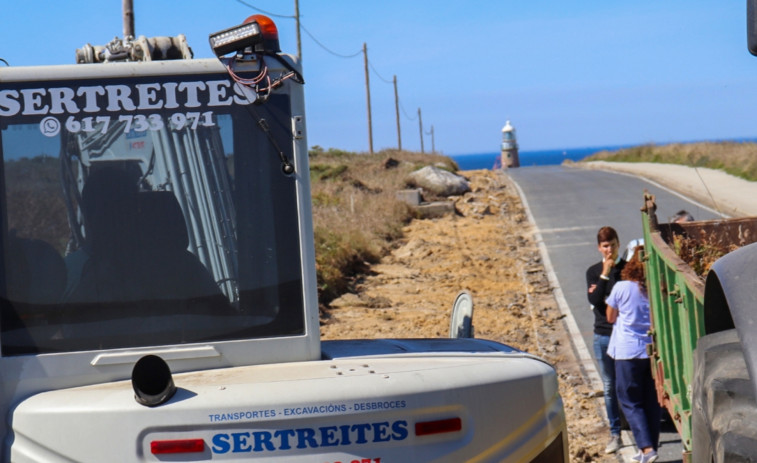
724 412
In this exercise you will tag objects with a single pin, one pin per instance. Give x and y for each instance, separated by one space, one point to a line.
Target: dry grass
702 251
739 159
355 211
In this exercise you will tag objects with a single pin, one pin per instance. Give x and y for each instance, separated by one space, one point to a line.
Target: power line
326 48
394 82
264 11
377 73
412 118
367 63
340 55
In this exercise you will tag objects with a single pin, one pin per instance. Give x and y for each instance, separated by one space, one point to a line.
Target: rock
390 163
435 209
347 300
439 182
409 249
378 302
412 197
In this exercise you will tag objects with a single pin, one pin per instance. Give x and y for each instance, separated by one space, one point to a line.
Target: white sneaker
614 445
648 457
637 458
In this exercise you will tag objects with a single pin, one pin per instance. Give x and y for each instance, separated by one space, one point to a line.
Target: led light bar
235 38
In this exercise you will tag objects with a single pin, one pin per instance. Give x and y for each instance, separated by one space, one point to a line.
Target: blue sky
567 74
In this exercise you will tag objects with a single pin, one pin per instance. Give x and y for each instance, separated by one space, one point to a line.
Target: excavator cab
153 204
147 211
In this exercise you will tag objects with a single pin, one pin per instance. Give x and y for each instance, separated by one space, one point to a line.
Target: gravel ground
487 248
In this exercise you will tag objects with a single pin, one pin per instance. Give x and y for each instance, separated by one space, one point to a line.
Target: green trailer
677 303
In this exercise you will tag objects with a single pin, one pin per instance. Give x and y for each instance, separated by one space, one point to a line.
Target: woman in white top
628 310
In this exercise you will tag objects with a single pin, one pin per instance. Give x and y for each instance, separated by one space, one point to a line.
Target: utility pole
433 146
397 112
297 20
420 125
368 97
128 11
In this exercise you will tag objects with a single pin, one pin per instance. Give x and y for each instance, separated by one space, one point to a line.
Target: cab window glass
146 228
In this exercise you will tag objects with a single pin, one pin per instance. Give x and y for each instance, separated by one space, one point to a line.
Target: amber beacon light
257 34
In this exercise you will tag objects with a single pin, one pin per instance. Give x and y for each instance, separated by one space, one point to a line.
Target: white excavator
158 296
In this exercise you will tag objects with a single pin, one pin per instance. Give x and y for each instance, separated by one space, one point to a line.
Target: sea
555 157
528 158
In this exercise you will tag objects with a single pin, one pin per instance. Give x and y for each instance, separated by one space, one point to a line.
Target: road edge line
586 361
582 350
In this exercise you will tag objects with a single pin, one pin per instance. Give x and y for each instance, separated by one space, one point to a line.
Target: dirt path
488 250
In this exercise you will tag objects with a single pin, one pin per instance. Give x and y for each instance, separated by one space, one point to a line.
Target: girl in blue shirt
628 310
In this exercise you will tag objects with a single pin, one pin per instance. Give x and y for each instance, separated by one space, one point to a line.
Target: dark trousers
638 399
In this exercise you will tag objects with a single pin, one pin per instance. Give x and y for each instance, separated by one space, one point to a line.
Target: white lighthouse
509 154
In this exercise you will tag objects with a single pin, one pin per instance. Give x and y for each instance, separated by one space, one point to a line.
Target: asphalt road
569 205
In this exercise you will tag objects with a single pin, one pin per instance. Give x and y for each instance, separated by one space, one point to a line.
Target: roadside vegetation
735 158
356 214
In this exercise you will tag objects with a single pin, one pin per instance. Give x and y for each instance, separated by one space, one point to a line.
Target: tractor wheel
724 412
